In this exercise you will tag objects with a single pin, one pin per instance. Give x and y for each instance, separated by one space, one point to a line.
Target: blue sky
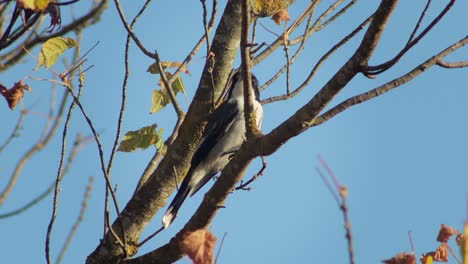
402 155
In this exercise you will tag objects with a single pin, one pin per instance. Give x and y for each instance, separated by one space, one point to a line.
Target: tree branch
298 123
389 85
153 194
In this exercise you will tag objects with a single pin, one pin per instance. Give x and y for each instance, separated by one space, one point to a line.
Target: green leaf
177 85
52 49
153 68
159 142
35 5
142 138
160 99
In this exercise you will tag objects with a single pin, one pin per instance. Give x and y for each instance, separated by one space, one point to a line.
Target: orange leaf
14 94
281 16
199 246
441 253
445 233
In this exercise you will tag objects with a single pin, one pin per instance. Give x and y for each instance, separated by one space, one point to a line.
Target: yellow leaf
35 5
52 49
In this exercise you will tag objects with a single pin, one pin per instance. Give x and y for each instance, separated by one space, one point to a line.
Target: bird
222 137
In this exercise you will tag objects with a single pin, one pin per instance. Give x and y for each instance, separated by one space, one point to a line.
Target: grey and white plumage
223 136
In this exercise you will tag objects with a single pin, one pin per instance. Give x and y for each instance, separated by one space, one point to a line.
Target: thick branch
153 195
304 117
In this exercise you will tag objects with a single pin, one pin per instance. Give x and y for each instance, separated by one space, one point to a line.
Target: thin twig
103 167
122 106
288 61
150 237
220 247
84 206
278 42
43 142
79 141
453 254
410 238
205 27
168 87
328 185
319 63
130 31
366 96
451 65
15 132
337 15
249 114
294 57
58 179
16 54
342 202
371 71
243 185
418 24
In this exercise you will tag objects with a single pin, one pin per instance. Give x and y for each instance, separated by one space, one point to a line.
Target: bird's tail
173 208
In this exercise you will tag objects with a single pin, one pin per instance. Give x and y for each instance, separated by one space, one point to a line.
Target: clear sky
402 156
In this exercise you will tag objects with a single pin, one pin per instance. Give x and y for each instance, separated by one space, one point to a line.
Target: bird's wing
218 124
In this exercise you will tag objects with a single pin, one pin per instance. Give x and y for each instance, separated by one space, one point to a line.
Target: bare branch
15 132
451 65
294 57
319 63
38 146
84 206
418 24
130 31
243 185
389 85
371 71
79 142
342 203
168 87
122 110
15 55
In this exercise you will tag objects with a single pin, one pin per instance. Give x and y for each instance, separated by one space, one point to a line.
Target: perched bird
223 136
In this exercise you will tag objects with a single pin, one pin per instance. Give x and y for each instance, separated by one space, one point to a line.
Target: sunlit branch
279 41
130 31
79 219
294 57
389 85
371 71
39 145
14 56
319 63
122 110
79 142
451 65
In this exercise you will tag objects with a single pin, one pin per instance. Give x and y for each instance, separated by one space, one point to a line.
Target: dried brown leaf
445 233
199 246
281 16
14 94
402 258
441 254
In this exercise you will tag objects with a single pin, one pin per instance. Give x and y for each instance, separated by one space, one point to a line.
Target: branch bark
153 195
